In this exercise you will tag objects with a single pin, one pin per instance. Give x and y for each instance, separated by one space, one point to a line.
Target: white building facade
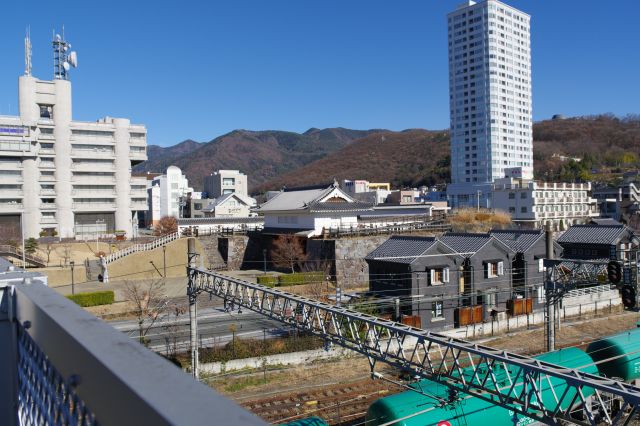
168 194
490 98
533 204
66 177
225 182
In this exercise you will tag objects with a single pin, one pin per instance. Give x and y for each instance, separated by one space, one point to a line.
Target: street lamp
73 282
164 260
98 223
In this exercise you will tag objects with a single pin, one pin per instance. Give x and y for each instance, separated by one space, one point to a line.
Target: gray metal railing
59 365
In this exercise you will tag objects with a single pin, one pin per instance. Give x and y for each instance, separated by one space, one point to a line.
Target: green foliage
268 280
30 245
249 348
95 298
300 278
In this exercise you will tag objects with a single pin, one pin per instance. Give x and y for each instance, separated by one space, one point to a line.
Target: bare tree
48 249
65 251
319 288
149 303
166 225
288 252
171 328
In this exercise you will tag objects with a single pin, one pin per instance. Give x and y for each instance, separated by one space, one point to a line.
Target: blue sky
197 70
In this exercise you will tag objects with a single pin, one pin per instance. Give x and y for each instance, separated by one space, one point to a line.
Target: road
214 328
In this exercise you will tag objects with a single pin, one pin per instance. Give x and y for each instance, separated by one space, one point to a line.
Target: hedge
268 280
93 299
299 278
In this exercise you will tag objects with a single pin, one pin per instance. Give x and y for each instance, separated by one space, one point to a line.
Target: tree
171 329
166 225
288 252
30 246
48 249
66 253
149 303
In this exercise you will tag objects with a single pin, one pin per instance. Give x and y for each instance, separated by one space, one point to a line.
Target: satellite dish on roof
58 38
66 65
73 59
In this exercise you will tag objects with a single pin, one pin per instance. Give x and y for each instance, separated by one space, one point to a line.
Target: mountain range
583 148
262 155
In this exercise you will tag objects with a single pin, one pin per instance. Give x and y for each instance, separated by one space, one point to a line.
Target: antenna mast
27 52
63 58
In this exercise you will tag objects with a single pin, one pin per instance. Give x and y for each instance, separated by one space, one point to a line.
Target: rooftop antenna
63 58
27 52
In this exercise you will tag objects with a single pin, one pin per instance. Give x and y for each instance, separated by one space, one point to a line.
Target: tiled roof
311 199
516 239
333 207
592 234
293 200
606 221
465 242
402 246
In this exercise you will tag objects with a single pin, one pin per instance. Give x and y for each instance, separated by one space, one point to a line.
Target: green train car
309 421
618 356
414 409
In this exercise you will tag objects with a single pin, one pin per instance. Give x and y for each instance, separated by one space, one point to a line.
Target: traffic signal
614 272
628 295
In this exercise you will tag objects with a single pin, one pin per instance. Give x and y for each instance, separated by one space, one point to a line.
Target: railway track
343 404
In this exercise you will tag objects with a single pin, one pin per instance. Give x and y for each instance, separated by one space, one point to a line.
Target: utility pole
264 260
192 293
397 304
549 293
478 192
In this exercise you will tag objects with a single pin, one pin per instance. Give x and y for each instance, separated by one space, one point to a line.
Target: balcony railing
94 206
13 207
61 365
47 206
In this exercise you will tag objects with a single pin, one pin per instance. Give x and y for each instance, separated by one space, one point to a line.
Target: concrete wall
293 358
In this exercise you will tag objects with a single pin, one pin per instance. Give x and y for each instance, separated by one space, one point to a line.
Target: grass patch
246 382
95 298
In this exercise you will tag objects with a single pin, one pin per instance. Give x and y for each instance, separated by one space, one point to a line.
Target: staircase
158 242
31 259
93 269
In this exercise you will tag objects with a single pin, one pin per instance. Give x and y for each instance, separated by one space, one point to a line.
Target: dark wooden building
459 278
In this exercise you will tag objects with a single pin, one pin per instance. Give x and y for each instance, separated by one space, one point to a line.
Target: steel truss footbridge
467 367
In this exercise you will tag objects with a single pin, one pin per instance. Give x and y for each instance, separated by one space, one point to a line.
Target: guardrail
360 231
61 365
589 290
158 242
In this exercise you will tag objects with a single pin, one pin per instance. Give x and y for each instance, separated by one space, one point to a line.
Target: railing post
192 293
8 358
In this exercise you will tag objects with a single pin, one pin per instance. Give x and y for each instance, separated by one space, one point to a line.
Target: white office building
168 194
225 182
536 204
66 177
490 98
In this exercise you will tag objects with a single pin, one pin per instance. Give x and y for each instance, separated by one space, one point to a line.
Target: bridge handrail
158 242
6 248
58 360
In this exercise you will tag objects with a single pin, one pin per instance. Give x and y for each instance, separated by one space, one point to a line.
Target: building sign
14 130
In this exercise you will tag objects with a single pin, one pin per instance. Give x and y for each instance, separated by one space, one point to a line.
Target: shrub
95 298
300 278
268 280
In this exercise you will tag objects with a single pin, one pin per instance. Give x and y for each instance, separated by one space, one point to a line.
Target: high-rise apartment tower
490 98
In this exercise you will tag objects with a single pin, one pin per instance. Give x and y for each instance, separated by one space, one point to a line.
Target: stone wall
220 251
350 266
